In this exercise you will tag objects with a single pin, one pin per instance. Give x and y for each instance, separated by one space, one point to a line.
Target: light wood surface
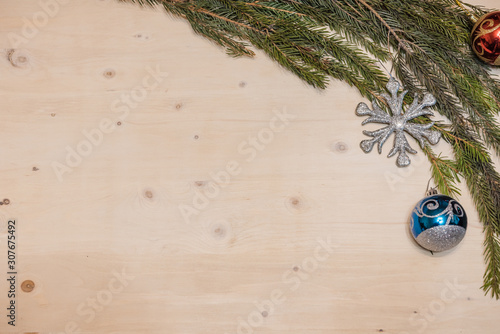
301 233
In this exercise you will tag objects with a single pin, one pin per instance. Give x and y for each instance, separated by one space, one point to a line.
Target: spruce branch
427 43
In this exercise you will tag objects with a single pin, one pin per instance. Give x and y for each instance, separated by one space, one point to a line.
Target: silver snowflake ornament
398 122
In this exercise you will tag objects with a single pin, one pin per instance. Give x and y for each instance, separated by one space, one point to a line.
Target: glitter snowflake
398 122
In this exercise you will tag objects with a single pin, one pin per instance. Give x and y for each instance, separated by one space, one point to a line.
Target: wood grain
224 196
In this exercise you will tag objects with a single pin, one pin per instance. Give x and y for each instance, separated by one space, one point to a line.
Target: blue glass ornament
438 223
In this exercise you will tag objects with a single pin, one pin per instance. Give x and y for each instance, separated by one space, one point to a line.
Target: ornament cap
432 191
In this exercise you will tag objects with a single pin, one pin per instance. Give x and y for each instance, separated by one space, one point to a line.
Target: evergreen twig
427 41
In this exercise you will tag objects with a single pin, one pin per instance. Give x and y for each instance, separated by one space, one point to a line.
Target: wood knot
199 183
6 201
178 106
148 197
144 37
35 168
294 201
242 84
297 204
27 286
340 147
109 73
219 231
18 58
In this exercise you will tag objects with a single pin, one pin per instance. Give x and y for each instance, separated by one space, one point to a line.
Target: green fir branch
427 43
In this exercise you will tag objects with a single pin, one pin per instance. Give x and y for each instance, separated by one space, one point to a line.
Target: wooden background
144 230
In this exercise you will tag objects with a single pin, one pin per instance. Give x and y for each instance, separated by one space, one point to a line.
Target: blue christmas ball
438 223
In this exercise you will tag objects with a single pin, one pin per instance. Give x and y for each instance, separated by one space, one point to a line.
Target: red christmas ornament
485 38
